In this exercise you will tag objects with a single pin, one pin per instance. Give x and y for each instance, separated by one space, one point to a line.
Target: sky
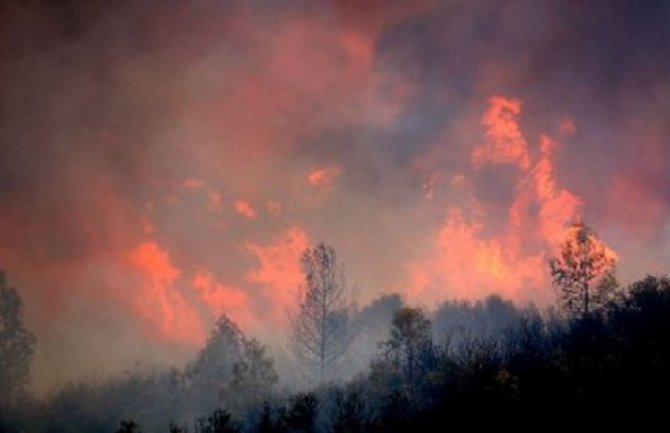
163 162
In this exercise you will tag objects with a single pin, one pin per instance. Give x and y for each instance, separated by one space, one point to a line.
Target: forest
334 216
600 356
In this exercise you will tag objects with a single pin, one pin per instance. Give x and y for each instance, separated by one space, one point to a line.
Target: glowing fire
279 272
468 262
504 141
245 209
223 299
158 301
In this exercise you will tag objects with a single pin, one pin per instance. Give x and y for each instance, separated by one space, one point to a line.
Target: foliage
321 327
129 426
410 344
350 412
218 422
16 345
584 273
535 368
266 423
223 349
456 321
254 374
302 412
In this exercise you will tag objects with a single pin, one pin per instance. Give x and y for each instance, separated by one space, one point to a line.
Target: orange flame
279 272
505 142
468 261
220 298
159 302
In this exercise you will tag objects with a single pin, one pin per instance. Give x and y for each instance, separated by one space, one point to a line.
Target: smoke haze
163 162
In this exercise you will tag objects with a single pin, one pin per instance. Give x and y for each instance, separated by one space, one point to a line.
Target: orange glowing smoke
245 209
556 205
192 183
274 208
466 264
322 181
467 261
323 177
168 312
504 141
158 300
214 201
220 298
279 272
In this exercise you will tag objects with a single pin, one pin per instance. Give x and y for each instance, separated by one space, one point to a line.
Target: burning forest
333 216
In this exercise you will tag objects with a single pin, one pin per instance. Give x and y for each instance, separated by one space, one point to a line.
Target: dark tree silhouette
350 412
396 414
212 371
254 374
174 428
16 345
584 273
455 321
301 414
129 426
222 350
265 423
321 326
218 422
410 341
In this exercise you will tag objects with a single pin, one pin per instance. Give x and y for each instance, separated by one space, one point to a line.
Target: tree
301 414
397 413
219 422
266 424
584 273
208 378
254 374
174 428
223 348
410 342
231 368
350 412
321 326
128 426
16 345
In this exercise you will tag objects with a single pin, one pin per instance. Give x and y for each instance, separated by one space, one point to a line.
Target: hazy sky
164 161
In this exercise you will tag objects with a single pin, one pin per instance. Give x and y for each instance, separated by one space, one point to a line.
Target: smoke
471 260
163 163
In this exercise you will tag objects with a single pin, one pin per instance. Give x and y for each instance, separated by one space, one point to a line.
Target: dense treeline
486 363
602 357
